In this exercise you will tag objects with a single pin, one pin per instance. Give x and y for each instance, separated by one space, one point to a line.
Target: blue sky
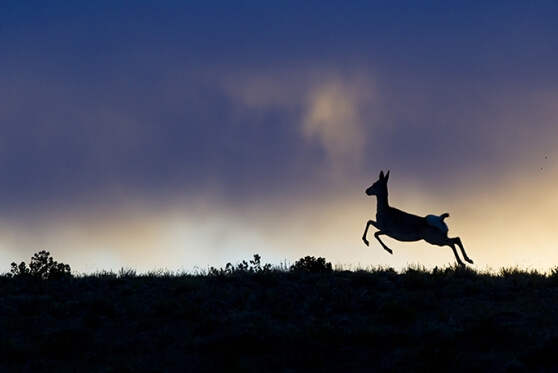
183 134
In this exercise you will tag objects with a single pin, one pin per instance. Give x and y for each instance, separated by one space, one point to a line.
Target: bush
255 266
311 265
42 266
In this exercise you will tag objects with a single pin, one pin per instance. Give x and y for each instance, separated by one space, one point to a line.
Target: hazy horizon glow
183 135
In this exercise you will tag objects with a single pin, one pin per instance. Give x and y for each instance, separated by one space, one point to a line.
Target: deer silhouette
403 226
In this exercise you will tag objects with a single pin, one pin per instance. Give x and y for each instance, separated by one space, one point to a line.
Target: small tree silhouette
42 266
312 265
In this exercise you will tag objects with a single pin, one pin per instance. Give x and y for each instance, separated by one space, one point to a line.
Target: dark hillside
279 320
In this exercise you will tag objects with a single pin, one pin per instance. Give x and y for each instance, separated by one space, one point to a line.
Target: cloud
325 115
333 119
333 114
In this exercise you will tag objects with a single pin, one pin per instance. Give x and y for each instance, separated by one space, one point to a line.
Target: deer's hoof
366 242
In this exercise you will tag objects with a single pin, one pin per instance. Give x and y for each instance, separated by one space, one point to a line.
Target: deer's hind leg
456 256
458 242
443 241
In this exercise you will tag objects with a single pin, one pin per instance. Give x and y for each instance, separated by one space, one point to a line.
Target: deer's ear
387 176
381 175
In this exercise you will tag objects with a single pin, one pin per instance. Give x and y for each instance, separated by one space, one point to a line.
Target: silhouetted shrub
42 266
254 266
312 265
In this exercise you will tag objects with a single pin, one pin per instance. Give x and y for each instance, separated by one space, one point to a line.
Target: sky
182 135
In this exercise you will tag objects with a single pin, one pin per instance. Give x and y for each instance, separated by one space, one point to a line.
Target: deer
406 227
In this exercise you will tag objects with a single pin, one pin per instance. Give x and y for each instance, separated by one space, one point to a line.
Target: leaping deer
403 226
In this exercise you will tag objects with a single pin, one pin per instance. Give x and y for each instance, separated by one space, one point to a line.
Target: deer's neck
382 202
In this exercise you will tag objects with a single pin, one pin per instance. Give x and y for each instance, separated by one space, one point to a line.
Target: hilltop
257 318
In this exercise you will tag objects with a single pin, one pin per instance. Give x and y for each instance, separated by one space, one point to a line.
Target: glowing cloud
334 119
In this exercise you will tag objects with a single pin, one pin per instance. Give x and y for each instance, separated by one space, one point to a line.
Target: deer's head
380 186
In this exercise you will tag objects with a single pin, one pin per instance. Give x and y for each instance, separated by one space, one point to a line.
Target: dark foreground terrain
444 320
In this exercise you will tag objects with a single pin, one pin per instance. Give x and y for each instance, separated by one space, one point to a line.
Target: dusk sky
182 134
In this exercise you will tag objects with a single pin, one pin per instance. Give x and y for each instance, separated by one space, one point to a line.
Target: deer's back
401 225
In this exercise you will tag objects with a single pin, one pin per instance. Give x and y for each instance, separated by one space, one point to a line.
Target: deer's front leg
377 235
370 222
